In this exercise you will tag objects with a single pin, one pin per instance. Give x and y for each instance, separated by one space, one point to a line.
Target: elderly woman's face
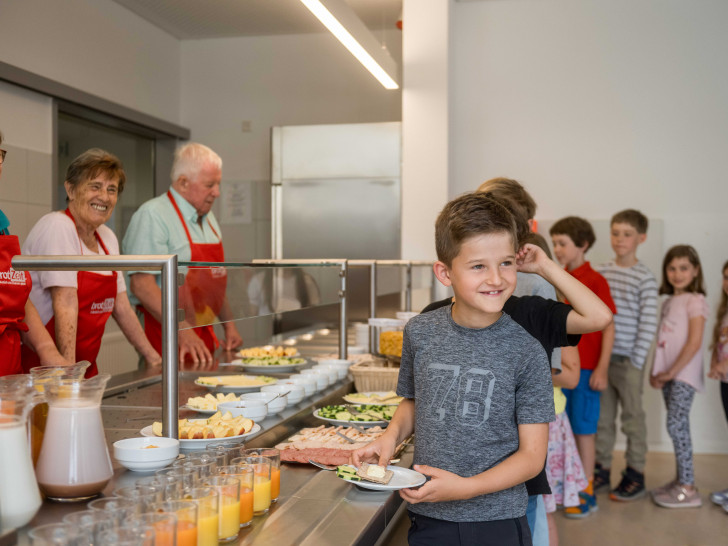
92 201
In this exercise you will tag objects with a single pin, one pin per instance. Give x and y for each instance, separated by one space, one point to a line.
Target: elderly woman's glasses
2 156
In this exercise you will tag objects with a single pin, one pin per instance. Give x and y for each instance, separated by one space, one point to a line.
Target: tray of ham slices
324 445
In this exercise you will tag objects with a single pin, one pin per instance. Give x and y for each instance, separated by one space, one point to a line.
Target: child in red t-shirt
572 237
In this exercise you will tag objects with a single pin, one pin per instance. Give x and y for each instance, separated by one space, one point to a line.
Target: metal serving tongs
322 466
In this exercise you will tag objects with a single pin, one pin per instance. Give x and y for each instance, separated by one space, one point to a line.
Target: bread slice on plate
374 473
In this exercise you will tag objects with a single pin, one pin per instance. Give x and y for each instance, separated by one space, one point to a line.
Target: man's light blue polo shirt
155 228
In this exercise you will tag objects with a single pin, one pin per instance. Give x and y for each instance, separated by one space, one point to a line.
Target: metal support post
167 264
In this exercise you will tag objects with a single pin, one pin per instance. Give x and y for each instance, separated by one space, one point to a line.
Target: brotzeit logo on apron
102 307
12 277
218 272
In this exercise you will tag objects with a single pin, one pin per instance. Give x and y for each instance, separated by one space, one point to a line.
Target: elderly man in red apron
181 222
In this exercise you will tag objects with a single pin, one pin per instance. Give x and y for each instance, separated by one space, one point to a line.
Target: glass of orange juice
90 523
207 500
143 494
186 513
137 536
164 525
228 489
261 482
187 475
244 473
170 486
275 468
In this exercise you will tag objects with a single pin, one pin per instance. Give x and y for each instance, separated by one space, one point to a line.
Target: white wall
27 177
425 123
96 46
597 106
272 81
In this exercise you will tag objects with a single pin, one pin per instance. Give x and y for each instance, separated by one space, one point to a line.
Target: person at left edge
74 306
19 320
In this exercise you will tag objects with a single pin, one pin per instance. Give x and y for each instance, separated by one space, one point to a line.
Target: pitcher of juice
74 462
40 376
19 495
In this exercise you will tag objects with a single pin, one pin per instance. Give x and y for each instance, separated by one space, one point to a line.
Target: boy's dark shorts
582 405
426 531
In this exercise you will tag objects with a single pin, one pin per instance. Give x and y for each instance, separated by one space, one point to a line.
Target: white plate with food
202 443
272 364
402 478
382 398
267 350
235 383
363 416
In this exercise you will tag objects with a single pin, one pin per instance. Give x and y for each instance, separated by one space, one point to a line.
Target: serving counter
314 507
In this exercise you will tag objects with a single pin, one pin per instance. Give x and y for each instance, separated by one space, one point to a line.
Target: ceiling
197 19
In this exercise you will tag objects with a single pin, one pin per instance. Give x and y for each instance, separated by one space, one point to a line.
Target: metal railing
344 266
167 264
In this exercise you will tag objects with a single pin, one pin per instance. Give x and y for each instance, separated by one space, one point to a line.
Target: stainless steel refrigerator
336 191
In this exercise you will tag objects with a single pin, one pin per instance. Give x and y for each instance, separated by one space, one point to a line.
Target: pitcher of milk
40 377
74 462
19 495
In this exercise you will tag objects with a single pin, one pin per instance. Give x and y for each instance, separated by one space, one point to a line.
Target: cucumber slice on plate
347 472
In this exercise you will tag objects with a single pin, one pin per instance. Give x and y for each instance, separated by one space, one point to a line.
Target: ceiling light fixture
345 25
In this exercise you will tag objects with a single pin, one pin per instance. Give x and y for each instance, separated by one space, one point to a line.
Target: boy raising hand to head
477 390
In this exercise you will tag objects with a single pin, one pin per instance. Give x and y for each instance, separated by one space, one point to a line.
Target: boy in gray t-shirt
477 390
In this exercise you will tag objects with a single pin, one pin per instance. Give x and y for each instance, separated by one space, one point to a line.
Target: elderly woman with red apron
74 306
19 321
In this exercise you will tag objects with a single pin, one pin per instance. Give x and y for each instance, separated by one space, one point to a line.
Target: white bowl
332 374
296 391
340 371
274 406
307 382
322 378
336 362
133 453
252 409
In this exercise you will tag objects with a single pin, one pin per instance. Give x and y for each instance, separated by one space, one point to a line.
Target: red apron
96 299
14 290
202 294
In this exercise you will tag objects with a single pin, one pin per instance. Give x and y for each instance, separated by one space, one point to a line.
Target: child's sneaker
601 478
719 497
678 497
587 504
664 488
631 487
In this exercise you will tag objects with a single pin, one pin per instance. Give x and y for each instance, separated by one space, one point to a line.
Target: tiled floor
641 522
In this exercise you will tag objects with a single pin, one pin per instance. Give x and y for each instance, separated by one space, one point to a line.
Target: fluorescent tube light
331 22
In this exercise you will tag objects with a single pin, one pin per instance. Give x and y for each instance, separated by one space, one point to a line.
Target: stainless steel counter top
314 507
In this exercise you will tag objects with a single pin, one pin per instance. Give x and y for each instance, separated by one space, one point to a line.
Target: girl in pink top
719 365
678 365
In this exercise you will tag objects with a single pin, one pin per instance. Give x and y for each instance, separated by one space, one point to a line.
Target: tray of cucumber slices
364 415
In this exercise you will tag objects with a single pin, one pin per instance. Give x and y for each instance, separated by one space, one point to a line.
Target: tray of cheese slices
197 433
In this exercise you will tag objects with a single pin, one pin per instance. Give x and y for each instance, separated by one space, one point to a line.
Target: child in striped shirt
634 291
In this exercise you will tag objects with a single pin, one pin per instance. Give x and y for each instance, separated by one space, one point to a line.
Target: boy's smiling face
482 276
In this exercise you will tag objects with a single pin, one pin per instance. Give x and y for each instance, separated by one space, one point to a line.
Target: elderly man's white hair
190 158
